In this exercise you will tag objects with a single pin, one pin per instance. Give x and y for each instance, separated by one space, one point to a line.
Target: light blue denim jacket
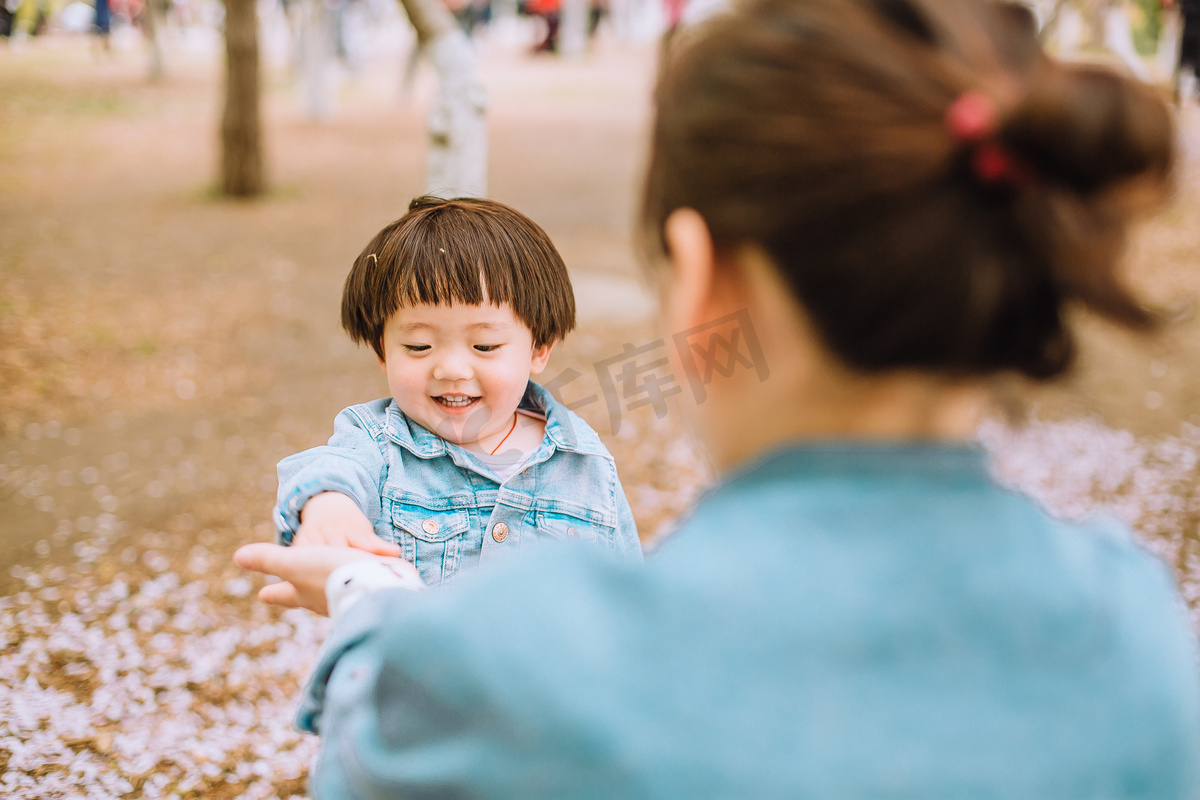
447 509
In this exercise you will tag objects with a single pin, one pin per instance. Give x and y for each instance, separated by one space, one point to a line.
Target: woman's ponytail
1086 129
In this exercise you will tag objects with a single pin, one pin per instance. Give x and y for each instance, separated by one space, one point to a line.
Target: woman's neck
894 407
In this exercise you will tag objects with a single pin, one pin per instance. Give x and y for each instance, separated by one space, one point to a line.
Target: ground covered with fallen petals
152 689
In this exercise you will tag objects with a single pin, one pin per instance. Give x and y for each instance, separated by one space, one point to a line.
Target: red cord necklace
505 439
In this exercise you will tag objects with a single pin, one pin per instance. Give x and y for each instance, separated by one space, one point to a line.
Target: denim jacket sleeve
353 463
626 541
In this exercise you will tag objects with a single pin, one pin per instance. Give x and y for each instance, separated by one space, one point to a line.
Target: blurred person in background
895 201
673 15
551 11
471 14
24 17
102 26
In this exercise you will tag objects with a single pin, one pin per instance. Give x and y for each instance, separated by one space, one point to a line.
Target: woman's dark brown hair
467 250
817 130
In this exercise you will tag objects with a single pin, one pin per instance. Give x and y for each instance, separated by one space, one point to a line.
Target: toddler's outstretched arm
330 495
332 518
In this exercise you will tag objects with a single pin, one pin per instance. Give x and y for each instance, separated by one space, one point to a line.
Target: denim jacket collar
561 431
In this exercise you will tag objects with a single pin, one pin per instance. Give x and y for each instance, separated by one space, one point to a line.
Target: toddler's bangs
455 261
467 251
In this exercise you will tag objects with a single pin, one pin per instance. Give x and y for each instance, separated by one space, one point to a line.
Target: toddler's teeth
457 401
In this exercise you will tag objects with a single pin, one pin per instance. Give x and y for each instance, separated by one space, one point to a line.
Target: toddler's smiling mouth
455 400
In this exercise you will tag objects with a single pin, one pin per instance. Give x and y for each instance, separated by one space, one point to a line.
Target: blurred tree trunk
457 160
573 35
1093 15
241 141
153 21
315 59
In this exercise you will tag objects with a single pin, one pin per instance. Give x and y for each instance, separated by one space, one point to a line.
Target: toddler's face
459 370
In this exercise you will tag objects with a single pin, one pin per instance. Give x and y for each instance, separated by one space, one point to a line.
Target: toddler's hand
303 572
332 518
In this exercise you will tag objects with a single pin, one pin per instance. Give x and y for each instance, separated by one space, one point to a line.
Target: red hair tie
972 120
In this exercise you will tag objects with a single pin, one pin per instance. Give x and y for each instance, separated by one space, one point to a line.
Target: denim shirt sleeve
340 698
352 463
410 697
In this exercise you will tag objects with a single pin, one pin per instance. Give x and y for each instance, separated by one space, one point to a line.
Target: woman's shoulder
954 552
1126 586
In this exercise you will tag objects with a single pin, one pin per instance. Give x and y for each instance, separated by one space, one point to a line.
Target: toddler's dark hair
466 250
817 129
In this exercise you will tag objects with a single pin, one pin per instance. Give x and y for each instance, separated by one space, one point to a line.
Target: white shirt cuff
351 582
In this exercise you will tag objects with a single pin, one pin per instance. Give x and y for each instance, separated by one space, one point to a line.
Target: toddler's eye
487 348
416 348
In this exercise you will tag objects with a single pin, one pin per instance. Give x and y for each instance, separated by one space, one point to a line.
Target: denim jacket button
430 526
499 531
571 533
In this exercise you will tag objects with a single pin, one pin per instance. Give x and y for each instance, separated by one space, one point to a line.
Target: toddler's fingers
280 594
260 557
381 548
373 544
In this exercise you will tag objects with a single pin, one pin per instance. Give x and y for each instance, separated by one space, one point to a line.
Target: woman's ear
689 289
541 354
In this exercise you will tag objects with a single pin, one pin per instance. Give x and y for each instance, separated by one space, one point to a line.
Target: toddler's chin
456 431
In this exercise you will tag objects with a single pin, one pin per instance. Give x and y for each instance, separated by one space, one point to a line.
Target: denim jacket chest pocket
560 520
435 540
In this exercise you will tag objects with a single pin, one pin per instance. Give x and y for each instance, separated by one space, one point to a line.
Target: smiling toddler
462 301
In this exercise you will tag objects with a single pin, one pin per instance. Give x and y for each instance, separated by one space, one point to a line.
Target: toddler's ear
382 363
541 354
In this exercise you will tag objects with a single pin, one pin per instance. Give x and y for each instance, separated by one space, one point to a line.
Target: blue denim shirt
843 621
444 506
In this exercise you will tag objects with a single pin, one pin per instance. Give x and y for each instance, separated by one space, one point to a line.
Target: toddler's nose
452 367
